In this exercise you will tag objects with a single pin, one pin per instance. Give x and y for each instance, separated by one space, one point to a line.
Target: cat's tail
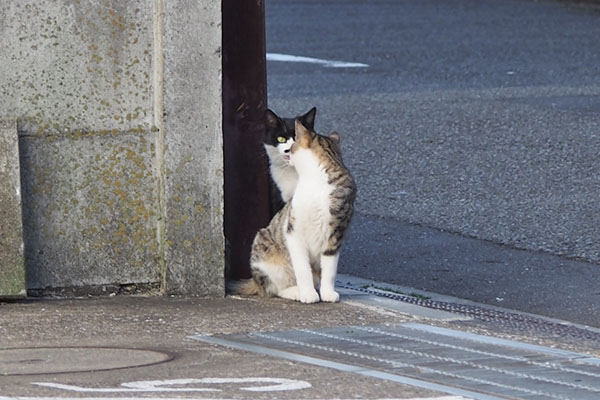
244 287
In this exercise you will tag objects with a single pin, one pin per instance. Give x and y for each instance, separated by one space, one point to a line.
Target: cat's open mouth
286 157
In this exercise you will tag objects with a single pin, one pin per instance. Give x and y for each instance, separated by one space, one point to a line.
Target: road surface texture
473 134
367 347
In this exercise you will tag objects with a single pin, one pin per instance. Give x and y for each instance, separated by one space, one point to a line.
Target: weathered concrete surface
76 65
165 324
114 191
91 218
78 78
193 148
12 262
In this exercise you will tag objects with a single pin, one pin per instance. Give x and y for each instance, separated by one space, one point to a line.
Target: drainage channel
450 361
517 321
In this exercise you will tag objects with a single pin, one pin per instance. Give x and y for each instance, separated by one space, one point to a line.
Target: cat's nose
286 151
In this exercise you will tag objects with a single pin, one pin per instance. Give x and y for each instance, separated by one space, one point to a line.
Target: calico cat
279 138
301 245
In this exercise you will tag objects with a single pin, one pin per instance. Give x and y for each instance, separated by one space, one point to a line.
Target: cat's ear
272 121
303 136
308 119
335 137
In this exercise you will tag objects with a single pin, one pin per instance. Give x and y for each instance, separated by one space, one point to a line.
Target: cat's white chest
311 210
283 174
286 179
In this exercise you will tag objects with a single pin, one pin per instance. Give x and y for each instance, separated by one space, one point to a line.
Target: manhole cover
56 360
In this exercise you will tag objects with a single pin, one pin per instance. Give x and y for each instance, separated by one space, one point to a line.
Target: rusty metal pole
244 104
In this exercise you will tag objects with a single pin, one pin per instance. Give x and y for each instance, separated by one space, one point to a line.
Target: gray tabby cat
299 249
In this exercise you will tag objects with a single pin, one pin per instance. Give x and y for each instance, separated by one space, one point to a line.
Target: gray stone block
90 210
193 141
119 111
12 262
79 65
79 77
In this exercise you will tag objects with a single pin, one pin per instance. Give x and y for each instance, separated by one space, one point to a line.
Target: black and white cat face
280 133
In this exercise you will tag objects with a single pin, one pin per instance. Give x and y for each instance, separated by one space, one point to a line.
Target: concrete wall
12 261
119 117
193 147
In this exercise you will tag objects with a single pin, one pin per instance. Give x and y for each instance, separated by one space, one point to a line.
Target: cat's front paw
330 296
310 296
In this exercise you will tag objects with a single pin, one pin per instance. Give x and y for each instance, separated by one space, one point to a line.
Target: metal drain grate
507 319
456 362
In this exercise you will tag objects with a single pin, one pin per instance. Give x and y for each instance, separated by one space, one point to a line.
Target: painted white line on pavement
275 384
310 60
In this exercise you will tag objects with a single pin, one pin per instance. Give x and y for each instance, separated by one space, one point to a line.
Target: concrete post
193 148
12 262
119 118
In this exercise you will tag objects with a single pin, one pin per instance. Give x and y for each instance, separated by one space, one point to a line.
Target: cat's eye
281 139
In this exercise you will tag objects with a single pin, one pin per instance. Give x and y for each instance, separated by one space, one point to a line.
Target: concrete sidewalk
187 348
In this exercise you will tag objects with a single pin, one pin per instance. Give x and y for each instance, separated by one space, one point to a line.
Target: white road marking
277 384
310 60
439 398
80 389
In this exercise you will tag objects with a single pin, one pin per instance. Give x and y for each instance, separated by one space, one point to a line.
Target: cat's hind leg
329 265
272 277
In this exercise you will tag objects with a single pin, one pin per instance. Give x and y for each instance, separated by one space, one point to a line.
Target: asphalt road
475 127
